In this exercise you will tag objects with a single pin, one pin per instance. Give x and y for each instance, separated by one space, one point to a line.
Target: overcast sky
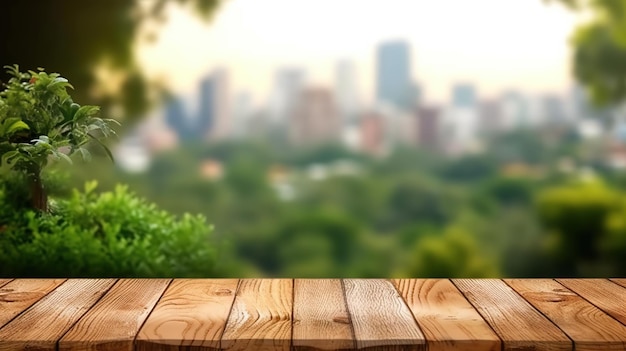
496 44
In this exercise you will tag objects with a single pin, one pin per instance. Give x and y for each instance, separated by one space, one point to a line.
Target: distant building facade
346 91
461 120
214 117
315 118
515 110
464 96
177 120
428 133
489 117
373 133
288 85
393 74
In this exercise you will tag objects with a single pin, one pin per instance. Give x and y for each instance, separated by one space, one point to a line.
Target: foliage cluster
83 38
508 212
82 233
600 48
111 234
39 121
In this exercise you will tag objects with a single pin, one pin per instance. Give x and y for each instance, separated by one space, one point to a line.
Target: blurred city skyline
522 45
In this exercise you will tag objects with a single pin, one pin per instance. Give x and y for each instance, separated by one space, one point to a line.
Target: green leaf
110 120
66 158
19 125
8 156
90 186
43 139
106 149
85 154
85 111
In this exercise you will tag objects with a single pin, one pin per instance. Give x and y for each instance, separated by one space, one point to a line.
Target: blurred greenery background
534 202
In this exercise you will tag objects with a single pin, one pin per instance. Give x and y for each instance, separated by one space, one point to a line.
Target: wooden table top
313 314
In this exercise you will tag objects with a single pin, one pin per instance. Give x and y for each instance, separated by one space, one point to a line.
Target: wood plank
380 318
516 322
20 294
43 324
620 281
608 296
4 281
114 321
320 316
261 316
191 314
447 320
589 327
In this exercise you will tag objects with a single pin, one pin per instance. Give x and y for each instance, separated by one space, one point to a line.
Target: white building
288 85
221 127
346 91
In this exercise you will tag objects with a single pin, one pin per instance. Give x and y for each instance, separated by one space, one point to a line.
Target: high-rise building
177 120
214 119
428 119
314 119
515 109
242 111
553 109
372 133
288 84
206 113
464 96
489 117
461 120
393 74
222 123
346 91
417 95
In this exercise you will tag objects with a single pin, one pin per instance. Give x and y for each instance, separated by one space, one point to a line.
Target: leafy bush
112 234
576 215
453 254
39 121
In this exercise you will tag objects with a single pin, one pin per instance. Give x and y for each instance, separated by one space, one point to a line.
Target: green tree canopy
77 37
600 49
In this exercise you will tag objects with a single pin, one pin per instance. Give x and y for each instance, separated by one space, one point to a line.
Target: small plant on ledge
87 233
39 121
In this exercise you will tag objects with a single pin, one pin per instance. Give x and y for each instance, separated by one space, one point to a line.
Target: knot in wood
223 292
341 319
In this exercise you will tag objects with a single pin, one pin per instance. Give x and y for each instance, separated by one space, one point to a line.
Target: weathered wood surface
261 316
320 316
517 322
18 295
113 322
42 325
447 320
380 318
191 313
589 327
313 314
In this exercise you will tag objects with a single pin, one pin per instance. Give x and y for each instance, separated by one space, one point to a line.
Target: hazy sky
496 44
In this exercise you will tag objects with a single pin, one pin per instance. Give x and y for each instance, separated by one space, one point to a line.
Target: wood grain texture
43 324
620 281
113 322
320 316
261 316
606 295
516 322
4 281
20 294
448 321
588 326
380 317
191 314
